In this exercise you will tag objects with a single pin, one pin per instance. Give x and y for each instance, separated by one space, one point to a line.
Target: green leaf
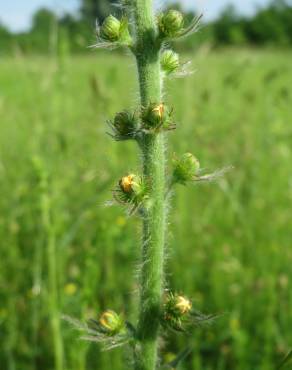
286 359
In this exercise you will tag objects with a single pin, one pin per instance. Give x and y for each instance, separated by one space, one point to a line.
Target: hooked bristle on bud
169 61
185 168
170 24
111 323
110 29
124 125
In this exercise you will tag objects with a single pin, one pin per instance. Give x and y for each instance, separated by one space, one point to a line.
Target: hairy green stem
152 145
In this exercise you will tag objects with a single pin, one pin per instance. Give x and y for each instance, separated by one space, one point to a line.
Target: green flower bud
110 29
185 168
111 323
171 23
169 61
153 115
124 124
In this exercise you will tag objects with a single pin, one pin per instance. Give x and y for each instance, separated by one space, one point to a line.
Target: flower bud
154 114
132 190
131 185
171 23
110 322
110 29
169 61
126 183
124 125
185 168
177 312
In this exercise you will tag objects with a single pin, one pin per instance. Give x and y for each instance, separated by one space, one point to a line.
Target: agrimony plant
146 193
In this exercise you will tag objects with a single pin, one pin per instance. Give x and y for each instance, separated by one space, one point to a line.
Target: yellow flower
70 289
183 304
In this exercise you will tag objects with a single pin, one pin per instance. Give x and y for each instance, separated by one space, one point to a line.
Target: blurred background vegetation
269 26
230 243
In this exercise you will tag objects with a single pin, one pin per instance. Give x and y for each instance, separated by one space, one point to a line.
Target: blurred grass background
230 242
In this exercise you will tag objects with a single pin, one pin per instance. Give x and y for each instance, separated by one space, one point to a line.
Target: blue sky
16 14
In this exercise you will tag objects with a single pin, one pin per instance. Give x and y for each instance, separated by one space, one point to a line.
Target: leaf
105 45
286 359
92 338
93 324
78 324
200 318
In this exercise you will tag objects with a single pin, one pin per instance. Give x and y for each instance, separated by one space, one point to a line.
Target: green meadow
230 242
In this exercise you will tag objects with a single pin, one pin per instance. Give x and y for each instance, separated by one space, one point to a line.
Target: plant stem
152 145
